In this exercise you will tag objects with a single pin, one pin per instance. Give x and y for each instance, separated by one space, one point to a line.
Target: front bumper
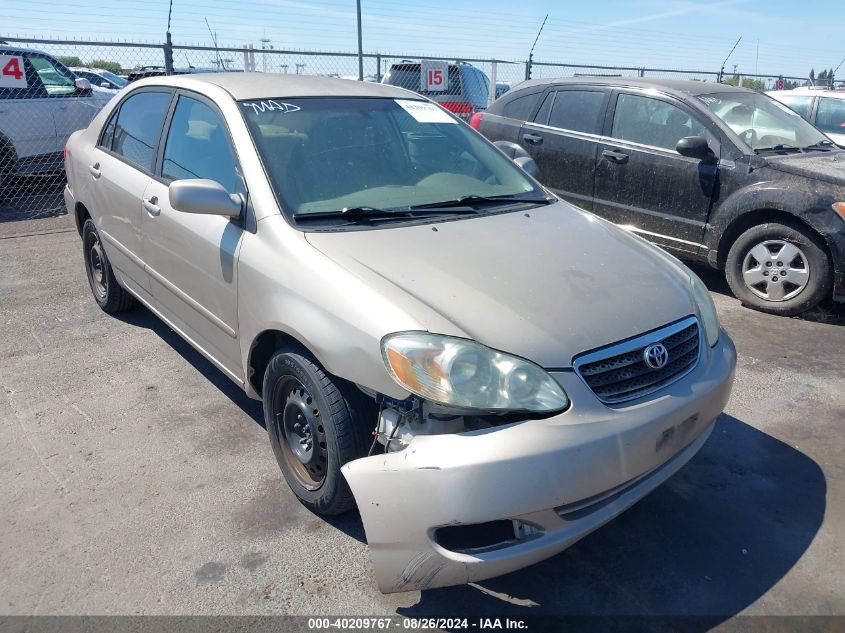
563 476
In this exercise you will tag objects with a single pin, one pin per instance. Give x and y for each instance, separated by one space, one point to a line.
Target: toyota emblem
656 356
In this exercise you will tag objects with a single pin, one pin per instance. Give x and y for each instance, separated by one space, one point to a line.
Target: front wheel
315 426
779 268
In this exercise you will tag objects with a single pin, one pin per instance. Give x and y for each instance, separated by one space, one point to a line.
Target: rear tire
316 424
108 293
779 267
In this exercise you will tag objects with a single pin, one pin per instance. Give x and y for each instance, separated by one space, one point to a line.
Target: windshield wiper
353 214
780 147
820 146
468 201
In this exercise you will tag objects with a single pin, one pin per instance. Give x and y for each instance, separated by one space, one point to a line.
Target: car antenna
722 71
833 74
531 52
216 50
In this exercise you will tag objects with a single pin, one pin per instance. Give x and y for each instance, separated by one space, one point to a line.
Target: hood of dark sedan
545 284
828 166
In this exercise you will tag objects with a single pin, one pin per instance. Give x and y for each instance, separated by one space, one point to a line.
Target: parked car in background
708 171
501 88
823 108
101 78
41 103
435 337
161 71
463 89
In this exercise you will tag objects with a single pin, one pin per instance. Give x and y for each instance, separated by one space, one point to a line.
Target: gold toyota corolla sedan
488 372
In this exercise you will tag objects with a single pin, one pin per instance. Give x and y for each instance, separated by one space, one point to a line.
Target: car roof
17 50
254 85
677 87
808 92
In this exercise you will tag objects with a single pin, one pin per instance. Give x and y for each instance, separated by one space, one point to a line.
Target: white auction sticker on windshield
424 112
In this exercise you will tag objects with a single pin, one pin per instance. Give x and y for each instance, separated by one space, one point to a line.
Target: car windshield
115 79
325 155
763 123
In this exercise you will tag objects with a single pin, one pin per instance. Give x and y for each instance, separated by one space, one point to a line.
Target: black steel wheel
316 423
108 293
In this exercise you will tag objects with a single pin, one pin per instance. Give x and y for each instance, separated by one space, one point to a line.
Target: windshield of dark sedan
761 122
329 154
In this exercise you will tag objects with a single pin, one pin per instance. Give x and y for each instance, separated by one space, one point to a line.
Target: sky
777 36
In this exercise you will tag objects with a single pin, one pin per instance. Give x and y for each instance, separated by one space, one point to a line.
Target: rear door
642 181
192 259
120 170
563 138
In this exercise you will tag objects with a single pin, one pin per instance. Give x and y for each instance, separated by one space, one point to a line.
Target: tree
70 60
104 64
747 82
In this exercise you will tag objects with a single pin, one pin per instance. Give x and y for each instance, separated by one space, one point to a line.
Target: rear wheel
779 268
316 424
108 293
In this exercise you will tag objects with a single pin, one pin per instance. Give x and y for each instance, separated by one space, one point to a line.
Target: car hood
545 284
827 166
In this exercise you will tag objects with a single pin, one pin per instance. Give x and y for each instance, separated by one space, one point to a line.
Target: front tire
108 293
316 424
779 268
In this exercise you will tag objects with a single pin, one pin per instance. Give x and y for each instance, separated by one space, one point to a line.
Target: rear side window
521 107
138 127
830 116
652 122
577 110
197 146
799 104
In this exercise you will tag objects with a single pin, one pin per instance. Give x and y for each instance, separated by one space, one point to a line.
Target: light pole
360 45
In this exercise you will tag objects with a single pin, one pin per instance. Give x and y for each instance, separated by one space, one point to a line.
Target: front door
641 180
192 259
563 139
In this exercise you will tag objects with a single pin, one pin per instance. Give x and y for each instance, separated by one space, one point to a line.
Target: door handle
151 207
94 170
533 139
615 156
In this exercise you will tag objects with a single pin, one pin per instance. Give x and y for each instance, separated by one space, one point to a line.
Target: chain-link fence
41 102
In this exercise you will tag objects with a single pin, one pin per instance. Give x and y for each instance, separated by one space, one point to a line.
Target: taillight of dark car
458 107
475 120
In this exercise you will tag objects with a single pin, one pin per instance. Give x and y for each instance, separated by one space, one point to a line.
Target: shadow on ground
711 541
828 311
33 198
141 317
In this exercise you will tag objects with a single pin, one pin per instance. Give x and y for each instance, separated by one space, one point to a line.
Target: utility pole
264 46
168 44
531 53
360 45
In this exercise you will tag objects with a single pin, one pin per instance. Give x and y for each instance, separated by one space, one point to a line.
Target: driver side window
198 146
652 122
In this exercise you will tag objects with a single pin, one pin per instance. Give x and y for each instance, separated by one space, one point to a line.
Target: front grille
618 373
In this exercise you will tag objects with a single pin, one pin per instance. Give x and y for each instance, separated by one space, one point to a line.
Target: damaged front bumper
437 513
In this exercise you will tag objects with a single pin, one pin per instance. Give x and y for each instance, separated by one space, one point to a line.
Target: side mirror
528 165
205 197
82 85
695 147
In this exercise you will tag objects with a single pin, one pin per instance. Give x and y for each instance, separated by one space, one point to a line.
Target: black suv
707 171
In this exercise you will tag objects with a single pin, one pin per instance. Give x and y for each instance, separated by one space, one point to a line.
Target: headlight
706 309
464 374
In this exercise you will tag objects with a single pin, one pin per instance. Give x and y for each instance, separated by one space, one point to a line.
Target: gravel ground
138 480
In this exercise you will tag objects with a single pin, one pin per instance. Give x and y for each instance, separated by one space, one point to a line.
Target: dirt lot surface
138 480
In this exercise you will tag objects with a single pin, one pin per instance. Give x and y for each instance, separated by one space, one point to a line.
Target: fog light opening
492 535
